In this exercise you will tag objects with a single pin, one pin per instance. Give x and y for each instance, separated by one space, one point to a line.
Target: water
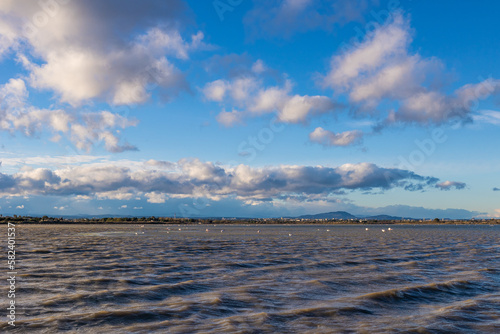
285 279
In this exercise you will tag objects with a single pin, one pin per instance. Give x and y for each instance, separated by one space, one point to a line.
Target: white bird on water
366 229
389 229
383 230
289 234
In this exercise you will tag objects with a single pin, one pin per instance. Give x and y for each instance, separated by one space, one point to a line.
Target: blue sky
249 108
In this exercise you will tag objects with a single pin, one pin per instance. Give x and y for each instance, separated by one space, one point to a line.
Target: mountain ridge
347 215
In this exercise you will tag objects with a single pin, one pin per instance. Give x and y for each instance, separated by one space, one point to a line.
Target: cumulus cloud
328 138
194 178
382 67
230 118
436 107
250 94
112 50
156 197
7 36
84 129
284 18
447 185
215 90
299 107
86 51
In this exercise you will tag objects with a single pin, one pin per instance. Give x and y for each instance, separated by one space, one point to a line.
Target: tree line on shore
175 220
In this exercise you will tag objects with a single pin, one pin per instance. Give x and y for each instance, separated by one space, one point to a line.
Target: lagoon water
257 279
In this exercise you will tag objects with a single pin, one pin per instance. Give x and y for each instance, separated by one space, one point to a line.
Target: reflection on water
257 279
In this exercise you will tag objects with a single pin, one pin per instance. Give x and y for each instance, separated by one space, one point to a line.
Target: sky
241 108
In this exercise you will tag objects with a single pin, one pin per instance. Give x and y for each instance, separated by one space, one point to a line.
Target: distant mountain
329 215
347 215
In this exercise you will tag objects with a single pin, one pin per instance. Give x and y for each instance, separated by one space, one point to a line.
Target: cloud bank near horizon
157 181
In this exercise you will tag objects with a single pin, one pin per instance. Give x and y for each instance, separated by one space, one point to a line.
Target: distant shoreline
254 221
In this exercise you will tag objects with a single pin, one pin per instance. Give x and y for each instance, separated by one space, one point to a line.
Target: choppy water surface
258 279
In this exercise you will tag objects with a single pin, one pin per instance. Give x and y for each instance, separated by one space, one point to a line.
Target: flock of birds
258 231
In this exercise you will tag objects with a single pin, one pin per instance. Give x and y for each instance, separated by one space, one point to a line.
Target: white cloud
487 116
270 99
86 51
7 36
388 42
298 108
249 94
436 107
215 90
84 129
230 118
393 81
382 67
121 195
155 197
242 87
192 178
111 51
328 138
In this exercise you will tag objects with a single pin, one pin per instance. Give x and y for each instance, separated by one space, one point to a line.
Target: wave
426 292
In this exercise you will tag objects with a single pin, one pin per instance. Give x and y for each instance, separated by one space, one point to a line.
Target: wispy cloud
487 116
280 18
